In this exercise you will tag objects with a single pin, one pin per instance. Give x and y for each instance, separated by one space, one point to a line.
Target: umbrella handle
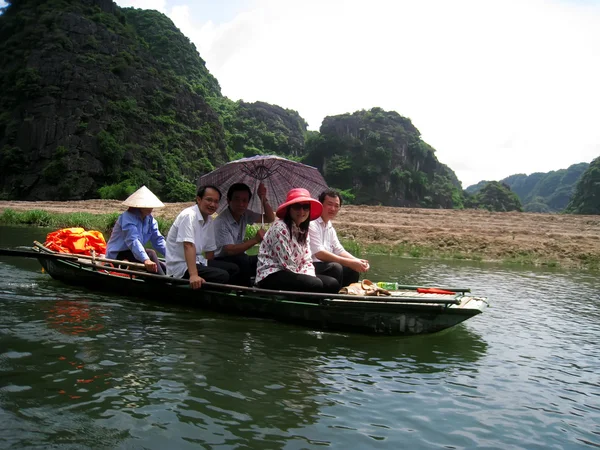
262 208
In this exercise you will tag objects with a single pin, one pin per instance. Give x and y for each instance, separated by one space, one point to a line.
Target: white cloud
497 87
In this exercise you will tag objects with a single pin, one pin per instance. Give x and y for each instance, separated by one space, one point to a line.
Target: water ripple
80 370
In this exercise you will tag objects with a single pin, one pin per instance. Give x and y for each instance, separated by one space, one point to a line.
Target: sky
497 87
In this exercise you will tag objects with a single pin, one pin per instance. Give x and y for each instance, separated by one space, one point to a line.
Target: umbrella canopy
278 174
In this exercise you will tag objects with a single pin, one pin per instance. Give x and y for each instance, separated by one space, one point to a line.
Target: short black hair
330 193
202 190
238 187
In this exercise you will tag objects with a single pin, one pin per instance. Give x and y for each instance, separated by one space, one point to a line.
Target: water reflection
128 367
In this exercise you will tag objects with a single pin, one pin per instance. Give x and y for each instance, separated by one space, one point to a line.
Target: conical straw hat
143 198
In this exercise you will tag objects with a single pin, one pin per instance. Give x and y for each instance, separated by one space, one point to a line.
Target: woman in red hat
284 258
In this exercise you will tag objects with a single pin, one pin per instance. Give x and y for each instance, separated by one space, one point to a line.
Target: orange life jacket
76 240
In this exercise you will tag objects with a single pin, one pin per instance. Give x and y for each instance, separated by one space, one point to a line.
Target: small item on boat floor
364 288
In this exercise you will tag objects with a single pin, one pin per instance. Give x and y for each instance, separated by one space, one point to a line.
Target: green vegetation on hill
97 100
494 196
542 192
587 193
378 157
260 129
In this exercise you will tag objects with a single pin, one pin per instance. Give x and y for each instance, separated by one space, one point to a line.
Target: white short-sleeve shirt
323 237
189 226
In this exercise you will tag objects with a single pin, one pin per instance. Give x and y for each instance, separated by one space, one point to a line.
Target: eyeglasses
298 206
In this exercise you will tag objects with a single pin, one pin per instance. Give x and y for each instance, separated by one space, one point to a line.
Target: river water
82 370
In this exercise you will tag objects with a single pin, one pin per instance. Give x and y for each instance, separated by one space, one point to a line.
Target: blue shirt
131 232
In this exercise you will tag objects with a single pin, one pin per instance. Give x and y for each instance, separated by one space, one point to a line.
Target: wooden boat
405 312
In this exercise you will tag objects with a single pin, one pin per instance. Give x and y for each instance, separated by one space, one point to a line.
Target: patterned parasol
278 174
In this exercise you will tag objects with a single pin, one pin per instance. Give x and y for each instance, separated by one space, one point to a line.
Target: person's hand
365 264
261 191
260 235
196 281
357 266
150 266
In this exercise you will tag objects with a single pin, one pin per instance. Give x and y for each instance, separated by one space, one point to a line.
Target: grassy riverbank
359 240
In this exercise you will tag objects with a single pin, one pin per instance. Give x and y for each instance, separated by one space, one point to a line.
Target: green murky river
81 370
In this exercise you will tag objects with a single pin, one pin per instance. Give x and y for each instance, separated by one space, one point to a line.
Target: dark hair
202 190
238 187
287 219
330 193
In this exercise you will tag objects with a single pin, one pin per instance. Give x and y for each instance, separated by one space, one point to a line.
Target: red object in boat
434 291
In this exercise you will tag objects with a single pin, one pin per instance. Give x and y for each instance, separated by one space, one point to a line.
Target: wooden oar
68 256
226 287
30 254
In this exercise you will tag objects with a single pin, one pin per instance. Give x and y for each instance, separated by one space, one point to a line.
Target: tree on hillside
587 193
495 196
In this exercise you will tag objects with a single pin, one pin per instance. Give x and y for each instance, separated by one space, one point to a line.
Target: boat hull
368 317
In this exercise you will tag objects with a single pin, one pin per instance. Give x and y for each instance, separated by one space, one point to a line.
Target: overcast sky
496 87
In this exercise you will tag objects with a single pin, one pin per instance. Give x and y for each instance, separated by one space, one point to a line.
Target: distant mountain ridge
542 192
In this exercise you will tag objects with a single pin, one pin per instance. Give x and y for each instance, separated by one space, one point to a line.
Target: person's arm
340 255
306 265
157 239
268 213
315 234
236 249
345 260
210 244
189 250
133 240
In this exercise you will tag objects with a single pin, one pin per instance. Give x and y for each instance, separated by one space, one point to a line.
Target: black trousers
344 275
290 281
216 271
246 264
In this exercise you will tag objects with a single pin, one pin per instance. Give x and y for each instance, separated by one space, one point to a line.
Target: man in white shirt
329 256
191 243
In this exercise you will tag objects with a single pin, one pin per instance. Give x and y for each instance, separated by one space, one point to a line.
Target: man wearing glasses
328 255
191 243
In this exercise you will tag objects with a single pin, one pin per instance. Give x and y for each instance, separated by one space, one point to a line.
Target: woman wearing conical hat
135 228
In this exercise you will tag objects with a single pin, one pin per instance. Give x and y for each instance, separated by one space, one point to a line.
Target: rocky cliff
96 100
261 128
378 157
92 95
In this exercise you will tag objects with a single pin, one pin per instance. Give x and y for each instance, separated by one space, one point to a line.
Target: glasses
299 206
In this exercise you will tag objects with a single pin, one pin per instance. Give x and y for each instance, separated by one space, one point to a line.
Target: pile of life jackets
76 240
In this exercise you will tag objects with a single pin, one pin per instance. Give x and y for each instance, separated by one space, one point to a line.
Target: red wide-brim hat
300 195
